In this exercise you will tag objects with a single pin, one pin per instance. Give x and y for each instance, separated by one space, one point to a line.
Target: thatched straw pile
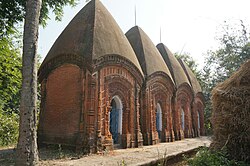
231 114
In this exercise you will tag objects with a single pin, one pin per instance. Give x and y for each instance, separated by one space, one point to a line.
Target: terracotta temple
101 88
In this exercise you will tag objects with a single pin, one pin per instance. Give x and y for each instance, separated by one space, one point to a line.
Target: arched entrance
159 120
115 119
198 120
182 119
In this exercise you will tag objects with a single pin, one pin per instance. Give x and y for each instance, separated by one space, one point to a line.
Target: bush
10 76
8 128
206 157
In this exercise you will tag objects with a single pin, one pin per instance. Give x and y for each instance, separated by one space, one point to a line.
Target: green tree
13 12
10 76
27 153
8 128
10 85
27 146
187 58
234 50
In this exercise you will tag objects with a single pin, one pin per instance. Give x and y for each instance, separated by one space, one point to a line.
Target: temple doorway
198 121
159 120
182 119
116 119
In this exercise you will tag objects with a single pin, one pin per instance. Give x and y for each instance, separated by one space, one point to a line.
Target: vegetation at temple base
206 157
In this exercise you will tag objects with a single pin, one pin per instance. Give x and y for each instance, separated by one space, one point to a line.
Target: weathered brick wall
183 102
66 92
198 110
158 89
62 105
118 81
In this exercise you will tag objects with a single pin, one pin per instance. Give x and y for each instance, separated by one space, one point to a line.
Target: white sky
186 25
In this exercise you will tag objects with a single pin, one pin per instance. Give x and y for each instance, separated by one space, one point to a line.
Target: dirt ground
146 155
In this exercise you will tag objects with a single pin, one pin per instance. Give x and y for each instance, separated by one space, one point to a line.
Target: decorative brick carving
158 89
85 77
96 89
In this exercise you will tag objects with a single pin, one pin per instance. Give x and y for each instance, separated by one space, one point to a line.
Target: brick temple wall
61 108
76 104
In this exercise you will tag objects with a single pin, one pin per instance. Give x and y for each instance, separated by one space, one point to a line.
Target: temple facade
101 88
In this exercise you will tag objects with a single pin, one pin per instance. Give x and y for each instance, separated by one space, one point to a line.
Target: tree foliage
234 50
13 12
187 58
10 76
8 128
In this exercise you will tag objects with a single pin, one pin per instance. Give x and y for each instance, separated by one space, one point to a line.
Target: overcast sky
186 25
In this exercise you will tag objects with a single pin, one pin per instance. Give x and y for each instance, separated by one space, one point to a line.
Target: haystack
231 114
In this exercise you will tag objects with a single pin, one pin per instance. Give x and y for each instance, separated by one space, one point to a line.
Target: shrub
206 157
8 128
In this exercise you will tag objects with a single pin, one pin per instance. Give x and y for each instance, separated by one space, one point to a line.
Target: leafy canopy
187 58
8 128
10 76
10 85
234 50
192 64
13 12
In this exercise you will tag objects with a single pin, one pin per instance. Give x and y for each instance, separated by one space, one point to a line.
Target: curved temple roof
192 79
93 33
174 66
149 57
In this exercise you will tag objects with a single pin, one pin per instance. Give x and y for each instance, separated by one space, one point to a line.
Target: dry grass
231 114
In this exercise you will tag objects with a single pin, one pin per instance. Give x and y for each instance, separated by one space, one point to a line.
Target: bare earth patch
147 155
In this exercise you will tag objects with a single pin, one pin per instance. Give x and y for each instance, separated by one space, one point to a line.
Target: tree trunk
27 153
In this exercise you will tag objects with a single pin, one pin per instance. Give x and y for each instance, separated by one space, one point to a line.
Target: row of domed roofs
94 33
